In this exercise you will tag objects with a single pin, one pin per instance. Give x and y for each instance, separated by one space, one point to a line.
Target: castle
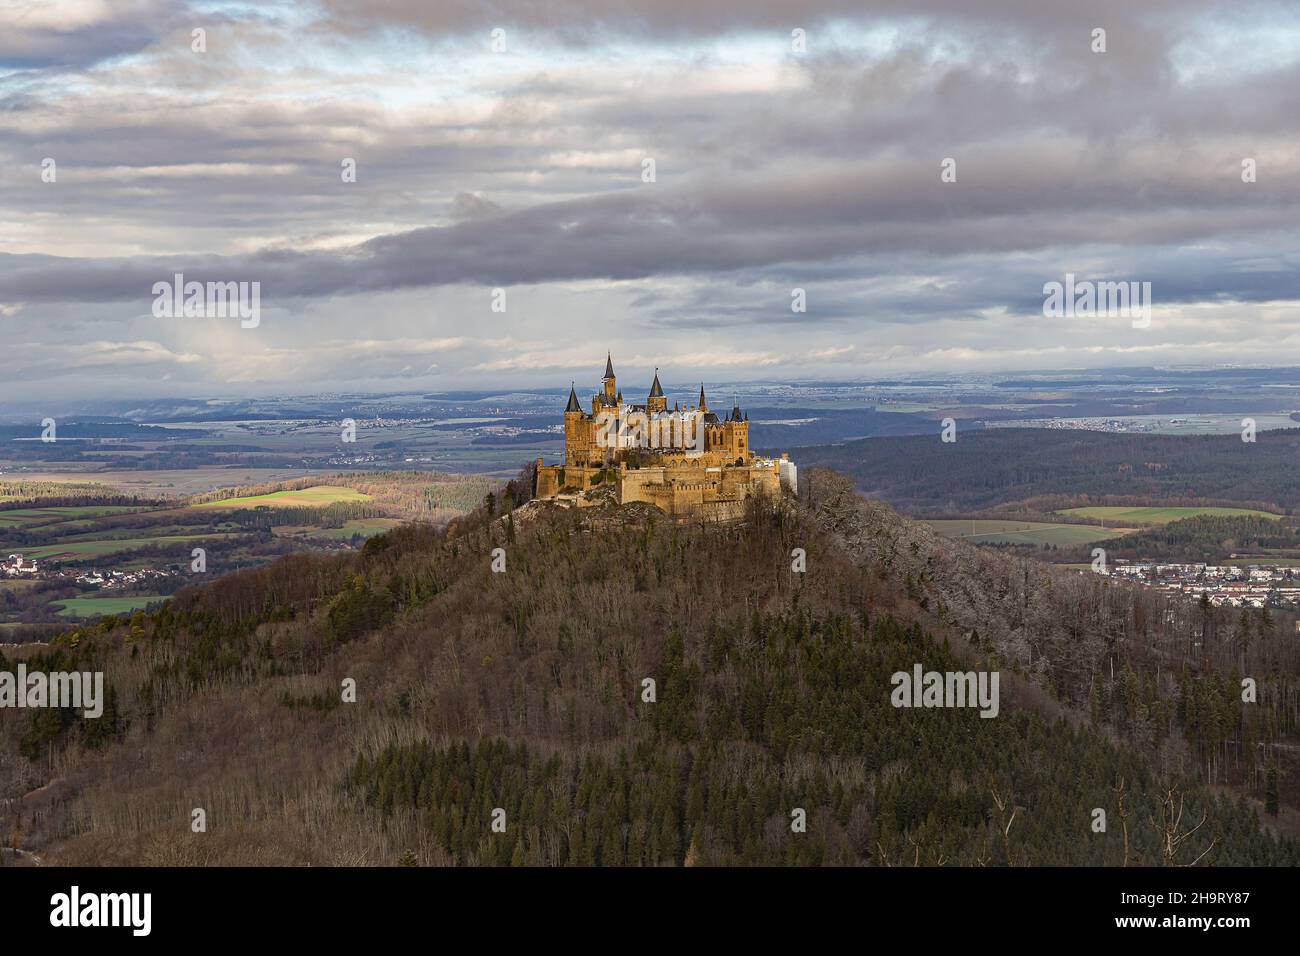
687 462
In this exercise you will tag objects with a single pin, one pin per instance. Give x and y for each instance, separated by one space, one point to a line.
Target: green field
1001 531
33 517
318 496
170 483
1157 515
90 606
97 547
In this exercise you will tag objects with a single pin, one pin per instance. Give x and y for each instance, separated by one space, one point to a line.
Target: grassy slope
1157 514
1006 531
91 606
97 547
315 497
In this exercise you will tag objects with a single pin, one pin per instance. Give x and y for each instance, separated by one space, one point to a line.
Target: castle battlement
685 461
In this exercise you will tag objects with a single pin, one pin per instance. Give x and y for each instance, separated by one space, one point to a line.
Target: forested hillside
523 691
990 467
1161 672
1210 538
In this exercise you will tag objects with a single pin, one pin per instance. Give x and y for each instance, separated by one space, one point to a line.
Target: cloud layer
523 168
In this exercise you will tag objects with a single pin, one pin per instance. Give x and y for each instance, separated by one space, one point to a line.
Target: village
1232 585
16 566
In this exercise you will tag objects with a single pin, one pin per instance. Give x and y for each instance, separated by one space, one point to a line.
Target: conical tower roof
656 390
573 405
609 366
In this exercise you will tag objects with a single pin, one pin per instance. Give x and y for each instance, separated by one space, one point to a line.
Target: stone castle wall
682 488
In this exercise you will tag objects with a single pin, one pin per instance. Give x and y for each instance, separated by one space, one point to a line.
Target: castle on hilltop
688 462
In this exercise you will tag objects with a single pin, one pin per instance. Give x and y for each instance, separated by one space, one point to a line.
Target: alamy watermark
638 429
81 690
947 689
213 300
1090 299
129 910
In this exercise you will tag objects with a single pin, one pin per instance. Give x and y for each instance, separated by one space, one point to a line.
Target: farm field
317 496
1003 531
97 547
34 517
91 606
1158 515
174 483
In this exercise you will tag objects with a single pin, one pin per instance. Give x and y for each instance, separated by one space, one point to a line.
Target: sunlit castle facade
686 461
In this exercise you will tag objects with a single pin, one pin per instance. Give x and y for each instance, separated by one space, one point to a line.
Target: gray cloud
523 171
44 35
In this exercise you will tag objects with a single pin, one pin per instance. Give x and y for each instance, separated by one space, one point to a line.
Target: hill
1214 538
1049 469
525 690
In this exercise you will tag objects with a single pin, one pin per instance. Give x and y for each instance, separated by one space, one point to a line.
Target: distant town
1245 585
16 566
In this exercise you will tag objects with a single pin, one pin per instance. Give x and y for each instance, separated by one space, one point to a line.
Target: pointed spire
735 409
573 405
703 406
609 365
656 390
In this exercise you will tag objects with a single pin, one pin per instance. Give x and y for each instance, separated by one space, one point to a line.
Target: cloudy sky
523 169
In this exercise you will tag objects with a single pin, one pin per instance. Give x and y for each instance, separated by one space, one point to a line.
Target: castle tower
577 431
657 402
611 392
573 405
735 433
